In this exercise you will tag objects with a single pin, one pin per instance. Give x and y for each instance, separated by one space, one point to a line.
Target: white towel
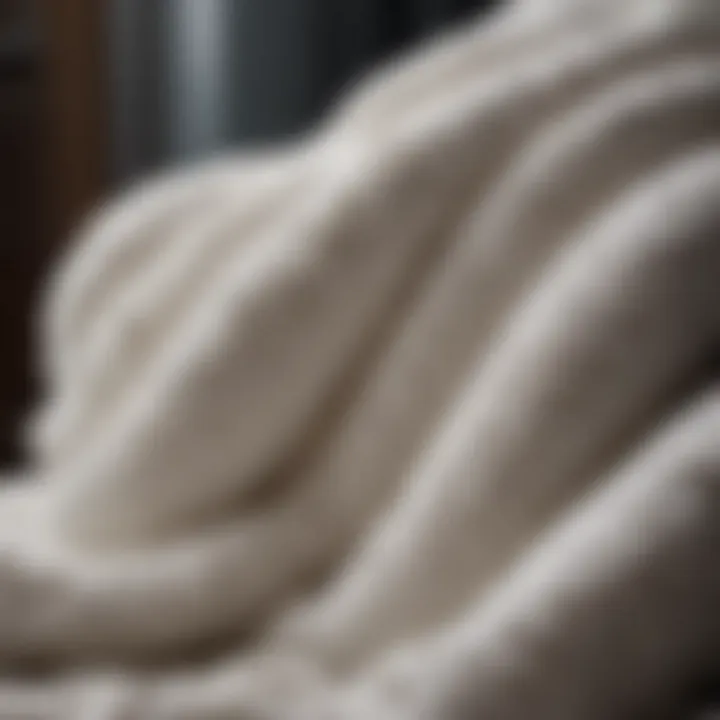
415 419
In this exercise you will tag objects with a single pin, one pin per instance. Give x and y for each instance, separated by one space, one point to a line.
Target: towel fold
417 419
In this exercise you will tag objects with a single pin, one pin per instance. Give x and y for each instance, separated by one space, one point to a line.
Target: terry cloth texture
416 419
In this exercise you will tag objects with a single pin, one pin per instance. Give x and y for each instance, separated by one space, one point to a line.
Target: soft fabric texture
416 419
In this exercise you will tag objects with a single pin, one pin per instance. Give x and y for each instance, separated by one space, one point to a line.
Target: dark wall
53 151
188 77
22 233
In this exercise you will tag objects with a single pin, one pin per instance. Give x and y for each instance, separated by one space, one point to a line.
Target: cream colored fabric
414 419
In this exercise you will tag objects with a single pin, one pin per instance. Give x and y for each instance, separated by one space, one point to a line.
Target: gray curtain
192 76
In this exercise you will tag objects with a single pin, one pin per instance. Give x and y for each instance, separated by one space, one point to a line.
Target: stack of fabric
416 419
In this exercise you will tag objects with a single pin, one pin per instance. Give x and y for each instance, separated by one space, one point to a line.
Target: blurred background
96 93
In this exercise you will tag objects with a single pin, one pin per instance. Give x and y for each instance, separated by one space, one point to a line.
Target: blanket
413 418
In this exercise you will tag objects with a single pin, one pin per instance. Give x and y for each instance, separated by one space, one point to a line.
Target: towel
415 417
